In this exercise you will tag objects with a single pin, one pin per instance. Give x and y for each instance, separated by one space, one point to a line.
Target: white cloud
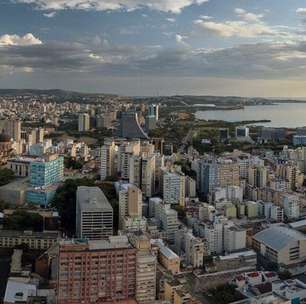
171 20
247 16
301 11
174 6
291 55
236 28
50 15
180 39
11 40
205 17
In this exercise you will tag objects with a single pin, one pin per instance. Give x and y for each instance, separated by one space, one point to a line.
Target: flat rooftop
92 199
248 253
113 242
32 234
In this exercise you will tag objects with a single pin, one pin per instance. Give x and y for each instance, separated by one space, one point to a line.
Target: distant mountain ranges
176 100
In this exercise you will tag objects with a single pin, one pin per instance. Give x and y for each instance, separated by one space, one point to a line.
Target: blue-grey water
290 115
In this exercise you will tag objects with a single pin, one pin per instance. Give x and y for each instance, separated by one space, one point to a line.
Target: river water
289 115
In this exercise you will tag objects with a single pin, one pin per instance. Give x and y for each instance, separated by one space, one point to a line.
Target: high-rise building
228 173
83 122
242 132
108 153
214 236
291 205
194 250
13 129
257 176
130 202
224 134
94 214
169 221
153 110
190 187
145 270
207 176
148 175
96 271
130 126
234 238
46 170
174 188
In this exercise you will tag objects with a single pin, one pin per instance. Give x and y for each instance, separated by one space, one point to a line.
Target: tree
225 294
22 220
65 202
6 176
71 163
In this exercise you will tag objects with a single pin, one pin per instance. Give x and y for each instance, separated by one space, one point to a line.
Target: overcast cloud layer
117 42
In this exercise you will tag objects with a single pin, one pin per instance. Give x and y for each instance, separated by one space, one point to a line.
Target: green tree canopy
65 202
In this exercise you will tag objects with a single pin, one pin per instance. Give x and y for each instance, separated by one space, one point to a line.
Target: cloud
301 11
11 40
247 61
205 17
50 15
235 28
180 39
171 20
174 6
247 16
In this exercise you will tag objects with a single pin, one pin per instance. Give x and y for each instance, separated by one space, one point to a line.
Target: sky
155 47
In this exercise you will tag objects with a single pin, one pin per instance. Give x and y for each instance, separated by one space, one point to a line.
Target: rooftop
278 237
32 234
166 251
92 198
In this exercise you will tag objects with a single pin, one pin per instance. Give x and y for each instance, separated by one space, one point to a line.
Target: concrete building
207 177
190 187
213 234
281 245
169 221
167 258
45 174
12 128
194 250
228 174
145 270
242 132
20 165
46 170
291 206
94 214
229 193
83 122
108 153
109 275
153 110
148 175
257 176
34 240
130 126
299 140
174 188
252 209
130 203
234 238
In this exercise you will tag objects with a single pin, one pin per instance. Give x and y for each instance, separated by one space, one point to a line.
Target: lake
289 115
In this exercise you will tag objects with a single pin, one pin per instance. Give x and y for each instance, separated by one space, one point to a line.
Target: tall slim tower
84 122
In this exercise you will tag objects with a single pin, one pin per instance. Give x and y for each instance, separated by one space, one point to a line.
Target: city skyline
136 47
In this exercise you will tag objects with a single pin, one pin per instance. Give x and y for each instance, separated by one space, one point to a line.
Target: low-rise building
281 245
34 240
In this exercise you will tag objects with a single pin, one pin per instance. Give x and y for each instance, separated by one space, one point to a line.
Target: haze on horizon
155 47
